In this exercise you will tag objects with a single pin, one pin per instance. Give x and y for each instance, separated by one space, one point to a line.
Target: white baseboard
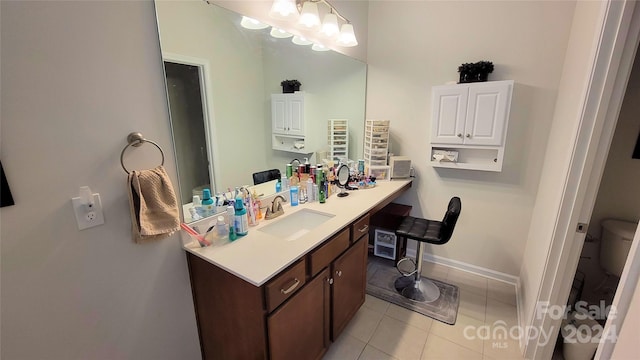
473 269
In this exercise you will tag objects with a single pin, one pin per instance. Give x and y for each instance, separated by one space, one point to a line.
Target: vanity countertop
258 256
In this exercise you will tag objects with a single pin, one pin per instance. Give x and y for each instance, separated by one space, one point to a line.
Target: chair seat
418 229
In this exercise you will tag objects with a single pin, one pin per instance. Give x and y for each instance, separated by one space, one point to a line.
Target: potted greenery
289 86
474 72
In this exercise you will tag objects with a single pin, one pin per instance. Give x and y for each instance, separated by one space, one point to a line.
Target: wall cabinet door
486 113
287 114
449 114
299 329
349 273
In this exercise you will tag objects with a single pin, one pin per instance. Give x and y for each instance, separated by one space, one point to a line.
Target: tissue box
444 155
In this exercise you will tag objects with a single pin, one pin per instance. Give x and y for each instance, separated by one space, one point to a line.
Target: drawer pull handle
364 229
296 282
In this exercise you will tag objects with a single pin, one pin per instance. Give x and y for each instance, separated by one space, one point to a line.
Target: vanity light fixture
253 24
300 40
307 15
279 33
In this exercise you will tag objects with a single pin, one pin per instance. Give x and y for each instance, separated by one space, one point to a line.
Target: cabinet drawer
360 228
286 284
322 257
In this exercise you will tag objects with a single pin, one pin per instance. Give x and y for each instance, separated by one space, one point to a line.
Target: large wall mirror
220 77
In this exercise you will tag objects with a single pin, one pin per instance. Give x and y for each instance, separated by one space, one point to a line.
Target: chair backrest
450 218
264 176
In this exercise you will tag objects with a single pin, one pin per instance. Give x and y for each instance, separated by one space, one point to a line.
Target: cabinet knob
459 135
339 273
468 135
330 281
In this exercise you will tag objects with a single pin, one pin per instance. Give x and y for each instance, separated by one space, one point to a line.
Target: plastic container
241 222
222 229
294 196
208 207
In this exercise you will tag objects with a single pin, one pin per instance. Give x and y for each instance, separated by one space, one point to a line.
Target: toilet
617 236
580 334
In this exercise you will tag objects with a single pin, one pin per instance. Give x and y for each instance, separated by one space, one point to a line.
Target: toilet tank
617 236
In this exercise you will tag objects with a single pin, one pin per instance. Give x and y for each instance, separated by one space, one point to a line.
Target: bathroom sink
294 226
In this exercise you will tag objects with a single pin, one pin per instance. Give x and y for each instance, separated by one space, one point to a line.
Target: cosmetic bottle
279 185
294 195
285 183
231 213
208 207
307 166
241 222
310 197
222 229
322 194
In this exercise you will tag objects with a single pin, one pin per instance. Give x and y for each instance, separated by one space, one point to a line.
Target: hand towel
153 203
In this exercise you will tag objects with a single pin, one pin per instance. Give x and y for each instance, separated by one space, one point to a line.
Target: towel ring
136 139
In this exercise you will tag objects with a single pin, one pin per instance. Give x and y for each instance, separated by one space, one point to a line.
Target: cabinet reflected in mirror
239 70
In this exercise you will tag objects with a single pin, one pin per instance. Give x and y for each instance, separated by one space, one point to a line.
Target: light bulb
301 40
319 47
279 33
330 25
309 17
347 37
283 9
253 24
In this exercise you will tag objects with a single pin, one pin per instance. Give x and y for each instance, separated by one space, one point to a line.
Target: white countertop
258 256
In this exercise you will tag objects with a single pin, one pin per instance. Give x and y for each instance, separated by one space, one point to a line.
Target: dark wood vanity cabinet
295 315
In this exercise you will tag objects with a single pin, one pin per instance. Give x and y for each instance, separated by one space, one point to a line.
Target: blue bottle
208 207
241 222
294 196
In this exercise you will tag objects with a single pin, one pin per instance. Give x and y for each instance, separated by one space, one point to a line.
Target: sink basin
294 226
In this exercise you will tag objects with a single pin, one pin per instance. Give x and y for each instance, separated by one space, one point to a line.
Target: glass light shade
347 37
252 24
300 40
330 25
284 9
319 47
279 33
309 17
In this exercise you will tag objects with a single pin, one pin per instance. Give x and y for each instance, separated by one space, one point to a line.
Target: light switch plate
88 218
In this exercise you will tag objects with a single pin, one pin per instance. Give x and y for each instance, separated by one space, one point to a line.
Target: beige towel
153 203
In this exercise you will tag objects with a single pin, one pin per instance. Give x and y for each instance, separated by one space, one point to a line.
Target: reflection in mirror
222 124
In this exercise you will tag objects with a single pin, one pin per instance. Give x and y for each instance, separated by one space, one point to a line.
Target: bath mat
381 275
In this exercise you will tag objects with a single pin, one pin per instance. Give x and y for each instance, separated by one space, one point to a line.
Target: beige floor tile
363 324
501 291
467 281
375 304
472 305
345 348
438 348
465 332
371 353
502 349
500 311
410 317
399 339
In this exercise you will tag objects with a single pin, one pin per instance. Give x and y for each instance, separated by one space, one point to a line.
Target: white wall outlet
88 215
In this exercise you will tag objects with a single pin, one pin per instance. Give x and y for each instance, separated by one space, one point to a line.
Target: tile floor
384 331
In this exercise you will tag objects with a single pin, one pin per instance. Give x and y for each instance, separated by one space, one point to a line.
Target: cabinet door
449 105
296 115
349 273
278 113
487 113
299 329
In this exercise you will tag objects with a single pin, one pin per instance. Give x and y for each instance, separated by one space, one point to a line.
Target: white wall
415 45
566 118
619 193
77 77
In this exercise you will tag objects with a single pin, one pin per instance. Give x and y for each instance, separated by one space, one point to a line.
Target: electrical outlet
88 216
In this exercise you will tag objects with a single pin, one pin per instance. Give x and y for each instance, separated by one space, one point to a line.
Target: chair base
423 290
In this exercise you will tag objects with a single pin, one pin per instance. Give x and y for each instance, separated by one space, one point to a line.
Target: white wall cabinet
290 118
470 120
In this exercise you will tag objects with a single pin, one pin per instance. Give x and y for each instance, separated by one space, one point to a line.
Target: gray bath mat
381 275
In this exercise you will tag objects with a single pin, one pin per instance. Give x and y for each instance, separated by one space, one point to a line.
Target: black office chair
410 284
264 176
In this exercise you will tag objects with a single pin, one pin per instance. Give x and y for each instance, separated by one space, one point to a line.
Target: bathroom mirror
220 77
